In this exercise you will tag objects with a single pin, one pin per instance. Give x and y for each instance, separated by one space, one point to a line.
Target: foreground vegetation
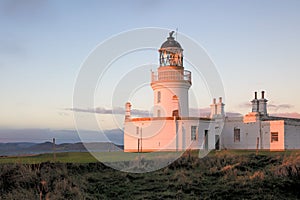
221 175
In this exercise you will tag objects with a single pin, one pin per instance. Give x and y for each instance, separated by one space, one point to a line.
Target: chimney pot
220 99
255 95
263 94
214 101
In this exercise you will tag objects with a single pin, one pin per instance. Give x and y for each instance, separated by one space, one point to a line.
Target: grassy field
76 157
220 175
86 157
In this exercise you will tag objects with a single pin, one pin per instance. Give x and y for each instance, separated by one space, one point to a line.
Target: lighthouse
171 82
170 128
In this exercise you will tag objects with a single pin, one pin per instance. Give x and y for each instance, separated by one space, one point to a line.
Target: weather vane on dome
171 33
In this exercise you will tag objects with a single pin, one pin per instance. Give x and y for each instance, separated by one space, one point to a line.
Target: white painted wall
167 91
292 135
159 134
155 134
202 125
277 126
248 134
170 134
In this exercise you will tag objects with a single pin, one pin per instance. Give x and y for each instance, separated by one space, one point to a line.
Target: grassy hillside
221 175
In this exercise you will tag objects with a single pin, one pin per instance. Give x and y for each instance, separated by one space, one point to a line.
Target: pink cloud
205 112
287 114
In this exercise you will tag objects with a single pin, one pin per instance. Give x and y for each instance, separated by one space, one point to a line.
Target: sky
254 44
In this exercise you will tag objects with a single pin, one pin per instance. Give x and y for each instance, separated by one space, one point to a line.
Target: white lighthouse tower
170 128
171 82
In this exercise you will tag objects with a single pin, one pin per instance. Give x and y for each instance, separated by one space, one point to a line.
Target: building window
175 113
158 113
274 137
193 133
237 135
137 130
158 97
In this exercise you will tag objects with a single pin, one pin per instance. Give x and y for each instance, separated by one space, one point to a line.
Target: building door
217 140
206 139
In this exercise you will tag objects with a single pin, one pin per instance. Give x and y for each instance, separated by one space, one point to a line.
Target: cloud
63 114
275 107
194 112
245 105
271 106
116 111
287 114
202 112
97 110
233 114
205 112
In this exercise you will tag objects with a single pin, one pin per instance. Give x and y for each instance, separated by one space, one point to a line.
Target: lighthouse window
237 135
274 137
158 113
158 97
193 133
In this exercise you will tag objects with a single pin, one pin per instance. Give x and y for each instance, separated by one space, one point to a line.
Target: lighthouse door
206 139
217 140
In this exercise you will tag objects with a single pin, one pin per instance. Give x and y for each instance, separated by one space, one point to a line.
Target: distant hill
15 146
115 136
7 149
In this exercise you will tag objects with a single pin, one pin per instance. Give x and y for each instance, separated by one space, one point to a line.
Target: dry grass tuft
290 166
258 175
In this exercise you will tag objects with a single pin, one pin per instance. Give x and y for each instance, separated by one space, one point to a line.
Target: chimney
213 108
255 95
263 105
127 110
220 107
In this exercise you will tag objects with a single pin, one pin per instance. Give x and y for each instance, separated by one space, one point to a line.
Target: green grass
73 157
86 157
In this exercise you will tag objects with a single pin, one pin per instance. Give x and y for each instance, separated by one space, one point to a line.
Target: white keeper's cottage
171 128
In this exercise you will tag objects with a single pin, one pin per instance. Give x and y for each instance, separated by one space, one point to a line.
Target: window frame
158 97
274 138
193 133
237 135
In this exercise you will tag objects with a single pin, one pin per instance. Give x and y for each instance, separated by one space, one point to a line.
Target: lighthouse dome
171 42
171 53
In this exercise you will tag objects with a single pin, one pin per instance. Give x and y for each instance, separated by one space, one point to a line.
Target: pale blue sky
254 44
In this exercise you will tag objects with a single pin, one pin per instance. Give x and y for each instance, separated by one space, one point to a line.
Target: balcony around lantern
171 75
